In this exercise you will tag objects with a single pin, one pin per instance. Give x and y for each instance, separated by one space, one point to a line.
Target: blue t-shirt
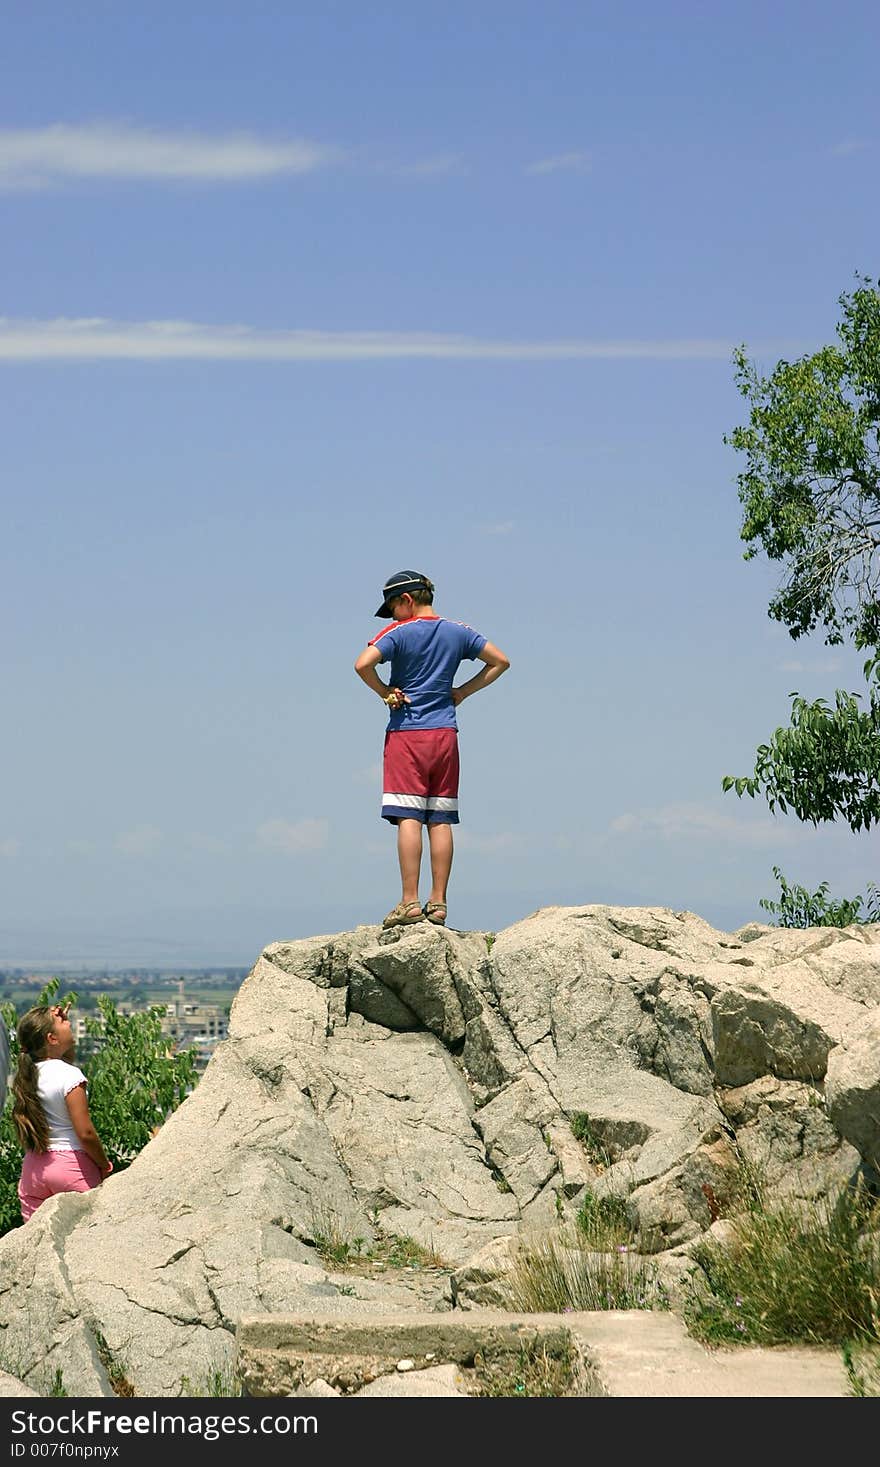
425 654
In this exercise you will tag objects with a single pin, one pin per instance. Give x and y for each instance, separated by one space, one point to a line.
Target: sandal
403 914
435 912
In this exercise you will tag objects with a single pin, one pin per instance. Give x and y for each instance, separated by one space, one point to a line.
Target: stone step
615 1353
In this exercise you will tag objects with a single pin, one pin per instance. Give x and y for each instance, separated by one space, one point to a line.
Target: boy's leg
409 855
442 815
440 840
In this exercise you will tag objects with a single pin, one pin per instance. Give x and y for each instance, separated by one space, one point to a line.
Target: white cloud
100 339
293 836
499 527
142 840
702 822
846 148
562 163
9 848
37 157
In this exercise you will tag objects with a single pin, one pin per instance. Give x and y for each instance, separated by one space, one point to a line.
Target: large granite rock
454 1090
854 1086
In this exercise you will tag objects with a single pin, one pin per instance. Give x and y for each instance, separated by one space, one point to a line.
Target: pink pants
45 1173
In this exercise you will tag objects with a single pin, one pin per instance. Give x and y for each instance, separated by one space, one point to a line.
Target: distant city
138 987
98 973
196 1001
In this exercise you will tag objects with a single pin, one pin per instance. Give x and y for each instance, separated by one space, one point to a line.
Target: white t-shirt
55 1080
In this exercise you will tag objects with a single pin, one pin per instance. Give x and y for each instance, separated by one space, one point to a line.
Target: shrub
798 907
135 1079
791 1273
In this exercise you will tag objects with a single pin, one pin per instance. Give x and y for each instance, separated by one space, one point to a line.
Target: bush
10 1171
135 1079
798 907
792 1273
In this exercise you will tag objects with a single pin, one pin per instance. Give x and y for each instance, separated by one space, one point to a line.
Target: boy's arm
496 664
365 667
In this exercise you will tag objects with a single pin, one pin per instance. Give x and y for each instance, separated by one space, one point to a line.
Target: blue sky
295 295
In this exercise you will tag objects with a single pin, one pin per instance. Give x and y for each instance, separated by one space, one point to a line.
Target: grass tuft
401 1251
596 1150
553 1272
862 1365
808 1273
603 1223
220 1381
56 1385
338 1250
114 1367
532 1372
332 1244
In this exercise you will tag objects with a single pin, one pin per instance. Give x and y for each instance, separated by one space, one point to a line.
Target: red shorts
420 776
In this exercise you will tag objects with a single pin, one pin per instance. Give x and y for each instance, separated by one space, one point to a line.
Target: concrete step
617 1353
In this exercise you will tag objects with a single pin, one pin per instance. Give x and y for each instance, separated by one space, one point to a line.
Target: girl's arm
78 1107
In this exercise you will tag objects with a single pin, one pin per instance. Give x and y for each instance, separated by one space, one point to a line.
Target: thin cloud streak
562 163
847 148
293 837
98 339
38 157
700 822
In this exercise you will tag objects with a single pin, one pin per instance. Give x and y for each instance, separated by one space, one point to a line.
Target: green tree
135 1081
810 492
798 907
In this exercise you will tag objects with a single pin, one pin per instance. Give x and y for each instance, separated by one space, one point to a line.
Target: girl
62 1151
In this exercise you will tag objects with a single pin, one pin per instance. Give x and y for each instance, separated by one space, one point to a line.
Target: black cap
398 585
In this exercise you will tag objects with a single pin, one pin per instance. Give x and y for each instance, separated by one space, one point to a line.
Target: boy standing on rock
420 776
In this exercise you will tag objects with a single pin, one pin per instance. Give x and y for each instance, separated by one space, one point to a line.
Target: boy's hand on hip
395 698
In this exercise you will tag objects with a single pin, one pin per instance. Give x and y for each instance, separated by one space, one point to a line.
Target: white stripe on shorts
407 802
442 802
